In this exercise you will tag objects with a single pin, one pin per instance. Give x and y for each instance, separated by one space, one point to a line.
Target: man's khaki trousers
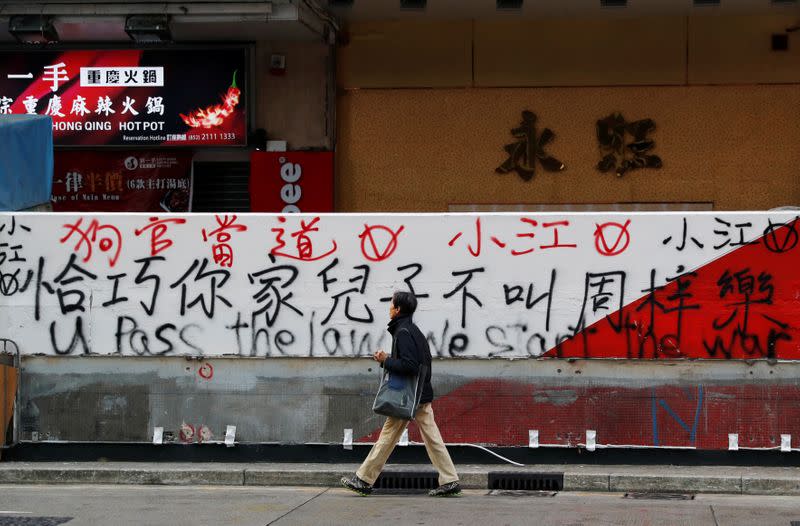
390 435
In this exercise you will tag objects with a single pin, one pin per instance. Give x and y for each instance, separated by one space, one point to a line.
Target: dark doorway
221 187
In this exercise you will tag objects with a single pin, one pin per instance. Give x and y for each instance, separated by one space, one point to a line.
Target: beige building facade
426 106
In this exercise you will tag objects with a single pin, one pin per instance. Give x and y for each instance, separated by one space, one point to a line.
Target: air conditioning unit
148 28
37 29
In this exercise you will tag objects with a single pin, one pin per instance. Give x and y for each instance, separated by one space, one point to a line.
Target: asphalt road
47 505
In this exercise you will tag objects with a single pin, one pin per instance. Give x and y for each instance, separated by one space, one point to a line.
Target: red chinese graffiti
556 244
530 234
303 243
387 249
221 250
474 251
110 242
621 242
158 228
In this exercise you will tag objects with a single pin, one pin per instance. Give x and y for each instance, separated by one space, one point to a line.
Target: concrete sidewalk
617 478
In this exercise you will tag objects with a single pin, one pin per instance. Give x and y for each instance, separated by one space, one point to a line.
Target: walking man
409 351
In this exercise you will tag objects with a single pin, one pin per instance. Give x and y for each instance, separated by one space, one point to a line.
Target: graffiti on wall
642 286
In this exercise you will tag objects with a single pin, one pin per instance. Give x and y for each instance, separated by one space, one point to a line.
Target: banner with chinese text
133 97
129 181
655 286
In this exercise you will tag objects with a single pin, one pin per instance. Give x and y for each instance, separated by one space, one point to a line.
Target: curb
617 479
293 477
586 482
674 484
770 486
176 477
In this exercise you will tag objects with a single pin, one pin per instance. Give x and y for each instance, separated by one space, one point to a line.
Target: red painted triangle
743 305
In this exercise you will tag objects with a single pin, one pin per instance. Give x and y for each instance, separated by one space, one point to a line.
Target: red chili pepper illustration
214 115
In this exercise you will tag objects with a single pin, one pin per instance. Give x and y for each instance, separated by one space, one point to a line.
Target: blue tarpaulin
26 161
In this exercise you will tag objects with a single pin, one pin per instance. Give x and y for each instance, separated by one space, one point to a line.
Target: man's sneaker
357 485
451 489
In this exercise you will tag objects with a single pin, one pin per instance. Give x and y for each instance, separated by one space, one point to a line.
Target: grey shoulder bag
398 395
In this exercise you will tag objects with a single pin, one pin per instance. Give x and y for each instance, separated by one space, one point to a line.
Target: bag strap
394 341
383 371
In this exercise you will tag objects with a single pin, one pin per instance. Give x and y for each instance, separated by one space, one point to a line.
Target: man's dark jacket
409 351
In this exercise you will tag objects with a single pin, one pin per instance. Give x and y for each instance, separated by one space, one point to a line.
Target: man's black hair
405 301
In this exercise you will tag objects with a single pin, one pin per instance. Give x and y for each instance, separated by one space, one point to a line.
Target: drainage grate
526 481
33 521
794 523
659 496
406 481
517 493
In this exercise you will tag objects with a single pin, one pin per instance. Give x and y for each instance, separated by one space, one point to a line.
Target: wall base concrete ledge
119 473
618 479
